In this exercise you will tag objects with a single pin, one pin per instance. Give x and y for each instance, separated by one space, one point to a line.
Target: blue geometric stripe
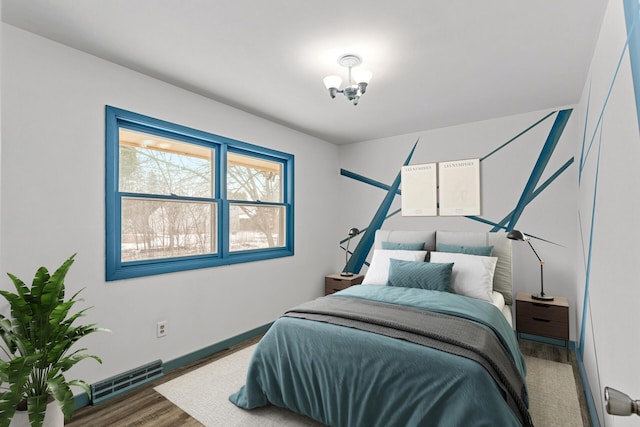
588 272
496 226
397 211
631 11
366 242
630 31
541 163
502 224
584 135
518 135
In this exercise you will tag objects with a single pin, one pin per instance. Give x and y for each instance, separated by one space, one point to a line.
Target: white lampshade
362 76
332 82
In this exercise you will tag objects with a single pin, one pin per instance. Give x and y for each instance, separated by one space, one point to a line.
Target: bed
426 340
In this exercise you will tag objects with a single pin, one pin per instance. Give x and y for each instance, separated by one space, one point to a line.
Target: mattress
497 299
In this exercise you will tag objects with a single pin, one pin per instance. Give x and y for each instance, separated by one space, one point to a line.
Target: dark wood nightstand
543 318
335 282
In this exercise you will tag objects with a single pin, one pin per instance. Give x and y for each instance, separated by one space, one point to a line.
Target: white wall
1 133
52 197
52 205
611 348
503 178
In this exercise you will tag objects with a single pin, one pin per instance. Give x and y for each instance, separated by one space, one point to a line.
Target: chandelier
356 84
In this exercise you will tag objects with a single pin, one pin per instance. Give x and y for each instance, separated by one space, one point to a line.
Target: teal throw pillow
423 275
469 250
419 246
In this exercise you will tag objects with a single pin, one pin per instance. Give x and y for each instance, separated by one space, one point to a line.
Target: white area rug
552 394
204 394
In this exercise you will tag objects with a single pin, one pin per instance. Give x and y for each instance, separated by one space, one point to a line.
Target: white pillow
472 275
378 272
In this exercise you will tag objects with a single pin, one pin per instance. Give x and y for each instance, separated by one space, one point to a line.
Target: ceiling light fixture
356 86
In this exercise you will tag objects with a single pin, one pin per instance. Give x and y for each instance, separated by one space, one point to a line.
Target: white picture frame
419 190
459 187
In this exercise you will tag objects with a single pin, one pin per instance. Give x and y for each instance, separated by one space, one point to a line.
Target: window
178 198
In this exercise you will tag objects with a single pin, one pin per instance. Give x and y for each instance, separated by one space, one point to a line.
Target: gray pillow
469 250
418 246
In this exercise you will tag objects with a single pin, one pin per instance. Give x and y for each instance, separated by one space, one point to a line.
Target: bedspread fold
351 377
443 332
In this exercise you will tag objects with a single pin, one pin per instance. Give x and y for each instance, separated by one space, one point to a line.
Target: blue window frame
179 199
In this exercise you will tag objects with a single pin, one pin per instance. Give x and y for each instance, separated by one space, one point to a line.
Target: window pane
256 227
153 229
252 178
154 165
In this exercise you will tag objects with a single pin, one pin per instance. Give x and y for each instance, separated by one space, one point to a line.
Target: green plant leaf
21 311
38 336
67 362
7 407
39 280
61 273
16 373
21 287
61 392
60 311
37 406
7 335
50 296
83 385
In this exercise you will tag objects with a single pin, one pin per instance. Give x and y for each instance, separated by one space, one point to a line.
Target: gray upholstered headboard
503 276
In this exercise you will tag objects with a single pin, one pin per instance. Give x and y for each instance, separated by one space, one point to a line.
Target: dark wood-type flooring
145 407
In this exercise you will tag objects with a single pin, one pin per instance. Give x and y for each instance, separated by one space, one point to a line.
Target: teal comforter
346 377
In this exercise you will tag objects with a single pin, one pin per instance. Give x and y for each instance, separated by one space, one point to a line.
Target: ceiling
435 63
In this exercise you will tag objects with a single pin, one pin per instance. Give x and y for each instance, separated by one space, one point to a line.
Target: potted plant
38 337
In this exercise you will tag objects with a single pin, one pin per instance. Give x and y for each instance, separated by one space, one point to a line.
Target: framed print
419 190
459 186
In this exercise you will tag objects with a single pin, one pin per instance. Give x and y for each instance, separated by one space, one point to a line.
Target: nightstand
543 318
335 282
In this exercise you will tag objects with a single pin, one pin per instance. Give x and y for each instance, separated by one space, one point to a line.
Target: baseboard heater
124 382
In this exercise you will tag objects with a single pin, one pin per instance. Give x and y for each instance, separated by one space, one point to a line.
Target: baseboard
551 341
212 349
82 400
591 404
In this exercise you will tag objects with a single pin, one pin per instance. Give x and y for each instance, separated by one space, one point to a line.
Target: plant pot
52 418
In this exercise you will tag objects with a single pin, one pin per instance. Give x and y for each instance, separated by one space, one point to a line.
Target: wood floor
145 407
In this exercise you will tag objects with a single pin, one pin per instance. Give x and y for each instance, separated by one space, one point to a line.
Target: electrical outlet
161 329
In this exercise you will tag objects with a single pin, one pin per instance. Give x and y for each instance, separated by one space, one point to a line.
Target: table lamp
351 233
518 235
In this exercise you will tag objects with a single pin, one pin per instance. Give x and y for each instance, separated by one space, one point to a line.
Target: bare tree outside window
179 198
254 225
165 228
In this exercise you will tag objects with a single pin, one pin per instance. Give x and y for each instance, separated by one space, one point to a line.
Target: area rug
553 397
194 394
